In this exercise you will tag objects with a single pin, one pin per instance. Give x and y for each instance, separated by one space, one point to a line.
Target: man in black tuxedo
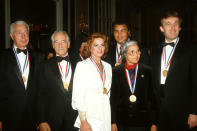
55 88
18 69
174 76
122 33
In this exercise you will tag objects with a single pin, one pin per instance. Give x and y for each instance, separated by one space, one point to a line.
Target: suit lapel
31 70
55 69
176 54
16 68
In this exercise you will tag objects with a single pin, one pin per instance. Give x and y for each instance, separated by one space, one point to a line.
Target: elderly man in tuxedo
18 69
55 88
174 74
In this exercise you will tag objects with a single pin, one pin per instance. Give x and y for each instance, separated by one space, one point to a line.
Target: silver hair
60 31
19 22
125 47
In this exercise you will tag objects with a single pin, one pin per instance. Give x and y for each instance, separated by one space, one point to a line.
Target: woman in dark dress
133 103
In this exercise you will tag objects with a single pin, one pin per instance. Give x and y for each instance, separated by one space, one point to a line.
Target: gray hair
60 31
125 47
19 22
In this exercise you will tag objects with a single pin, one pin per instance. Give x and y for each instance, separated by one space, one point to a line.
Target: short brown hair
86 51
171 14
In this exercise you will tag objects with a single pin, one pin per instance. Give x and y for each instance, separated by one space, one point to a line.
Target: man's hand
1 126
85 126
192 120
114 127
44 126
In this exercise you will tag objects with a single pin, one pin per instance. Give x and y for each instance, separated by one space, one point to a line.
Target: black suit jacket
17 104
54 102
178 97
111 55
139 113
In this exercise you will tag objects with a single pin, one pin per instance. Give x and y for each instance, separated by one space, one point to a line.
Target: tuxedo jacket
139 113
178 97
54 102
17 104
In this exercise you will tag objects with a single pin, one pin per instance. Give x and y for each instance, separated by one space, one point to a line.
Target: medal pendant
24 79
66 85
132 98
165 73
117 64
104 90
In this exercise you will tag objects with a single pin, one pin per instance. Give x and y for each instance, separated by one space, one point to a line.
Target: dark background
143 16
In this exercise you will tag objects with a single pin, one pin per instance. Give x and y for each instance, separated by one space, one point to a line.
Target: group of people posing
104 87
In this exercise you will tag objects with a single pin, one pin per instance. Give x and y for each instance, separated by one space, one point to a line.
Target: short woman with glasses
133 103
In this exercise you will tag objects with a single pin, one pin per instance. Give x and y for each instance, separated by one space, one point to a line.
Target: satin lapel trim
31 70
17 70
56 71
173 61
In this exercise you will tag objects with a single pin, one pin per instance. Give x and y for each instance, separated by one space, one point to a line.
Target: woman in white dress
91 87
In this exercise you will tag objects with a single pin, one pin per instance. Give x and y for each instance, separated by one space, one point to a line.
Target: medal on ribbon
102 74
26 63
118 57
132 98
66 84
167 61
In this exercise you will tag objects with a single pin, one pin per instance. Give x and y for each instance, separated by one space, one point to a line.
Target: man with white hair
55 88
18 71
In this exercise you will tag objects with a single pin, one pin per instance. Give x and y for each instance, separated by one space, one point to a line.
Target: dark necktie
19 51
59 58
171 44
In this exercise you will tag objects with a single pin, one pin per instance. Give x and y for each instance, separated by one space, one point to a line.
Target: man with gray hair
55 88
18 71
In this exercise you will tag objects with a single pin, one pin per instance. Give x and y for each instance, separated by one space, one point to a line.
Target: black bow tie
19 51
59 58
171 44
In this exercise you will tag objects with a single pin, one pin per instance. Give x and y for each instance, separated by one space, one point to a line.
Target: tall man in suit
18 70
55 88
174 75
122 33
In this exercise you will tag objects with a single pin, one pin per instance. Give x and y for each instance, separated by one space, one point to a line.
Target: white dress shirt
21 57
169 52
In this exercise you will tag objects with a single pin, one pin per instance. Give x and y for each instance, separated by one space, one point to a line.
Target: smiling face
121 33
133 54
20 36
60 44
170 28
97 48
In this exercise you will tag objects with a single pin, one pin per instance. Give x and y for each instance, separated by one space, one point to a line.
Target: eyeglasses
132 52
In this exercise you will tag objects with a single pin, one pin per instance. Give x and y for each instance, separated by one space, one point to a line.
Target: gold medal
165 73
66 85
24 79
104 90
117 64
132 98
